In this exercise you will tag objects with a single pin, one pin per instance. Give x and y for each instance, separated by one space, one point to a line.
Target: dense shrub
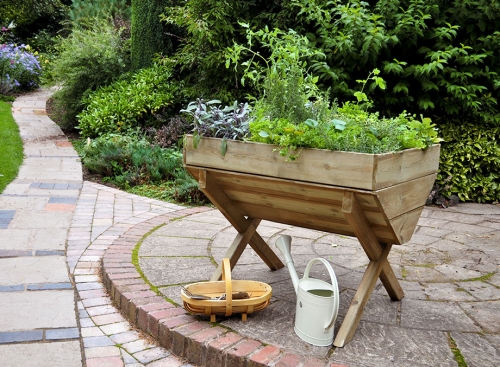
19 68
130 161
470 162
438 56
90 57
128 103
32 16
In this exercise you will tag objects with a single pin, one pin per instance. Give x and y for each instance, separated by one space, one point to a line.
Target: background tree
33 16
149 35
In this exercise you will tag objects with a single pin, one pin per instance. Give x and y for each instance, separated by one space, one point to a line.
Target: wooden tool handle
226 276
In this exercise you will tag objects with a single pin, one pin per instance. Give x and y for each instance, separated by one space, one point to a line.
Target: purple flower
24 67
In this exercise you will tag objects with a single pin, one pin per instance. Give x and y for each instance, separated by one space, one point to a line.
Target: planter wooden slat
346 169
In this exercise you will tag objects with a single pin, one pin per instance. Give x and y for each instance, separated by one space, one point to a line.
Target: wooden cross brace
376 251
378 267
246 227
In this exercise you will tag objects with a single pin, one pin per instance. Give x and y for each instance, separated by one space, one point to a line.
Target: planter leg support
246 227
378 267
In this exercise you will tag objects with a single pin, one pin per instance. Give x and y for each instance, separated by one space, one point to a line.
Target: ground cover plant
133 163
11 148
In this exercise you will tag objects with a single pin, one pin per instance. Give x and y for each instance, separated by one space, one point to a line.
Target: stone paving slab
39 269
383 345
477 350
61 354
33 310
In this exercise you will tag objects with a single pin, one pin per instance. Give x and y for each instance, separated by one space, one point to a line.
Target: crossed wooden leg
378 267
246 227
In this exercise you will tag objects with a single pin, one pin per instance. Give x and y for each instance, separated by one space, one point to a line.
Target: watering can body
317 301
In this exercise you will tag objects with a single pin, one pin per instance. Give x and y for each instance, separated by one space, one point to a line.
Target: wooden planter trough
377 198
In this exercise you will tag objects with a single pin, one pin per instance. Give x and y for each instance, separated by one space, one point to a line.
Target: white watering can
317 301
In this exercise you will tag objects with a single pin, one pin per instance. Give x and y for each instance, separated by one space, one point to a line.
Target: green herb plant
209 119
292 112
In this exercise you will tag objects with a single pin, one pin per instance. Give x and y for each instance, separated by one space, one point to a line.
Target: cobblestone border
200 342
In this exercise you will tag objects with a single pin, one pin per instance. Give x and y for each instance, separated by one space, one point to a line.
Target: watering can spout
284 244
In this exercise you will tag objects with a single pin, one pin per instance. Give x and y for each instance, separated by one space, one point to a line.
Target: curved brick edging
184 335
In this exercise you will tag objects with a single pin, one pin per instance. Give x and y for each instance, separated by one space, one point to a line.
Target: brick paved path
54 229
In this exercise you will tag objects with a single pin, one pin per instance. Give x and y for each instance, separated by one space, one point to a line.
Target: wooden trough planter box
377 198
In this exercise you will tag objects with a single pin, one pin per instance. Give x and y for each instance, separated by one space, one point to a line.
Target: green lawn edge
11 146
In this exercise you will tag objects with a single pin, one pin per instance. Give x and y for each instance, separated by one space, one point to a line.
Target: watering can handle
334 284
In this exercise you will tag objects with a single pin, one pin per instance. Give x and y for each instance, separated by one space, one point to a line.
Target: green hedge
470 162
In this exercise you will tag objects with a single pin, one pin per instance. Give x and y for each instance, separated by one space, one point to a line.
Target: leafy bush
127 103
28 17
438 56
470 162
89 58
130 161
206 28
6 35
19 68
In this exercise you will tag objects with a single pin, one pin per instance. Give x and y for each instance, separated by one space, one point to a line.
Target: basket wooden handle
226 276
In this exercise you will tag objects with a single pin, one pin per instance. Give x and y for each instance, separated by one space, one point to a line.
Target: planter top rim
231 141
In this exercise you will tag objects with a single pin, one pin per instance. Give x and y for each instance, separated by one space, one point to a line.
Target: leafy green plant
205 28
129 161
436 56
150 36
131 102
92 56
28 17
470 162
209 119
134 164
